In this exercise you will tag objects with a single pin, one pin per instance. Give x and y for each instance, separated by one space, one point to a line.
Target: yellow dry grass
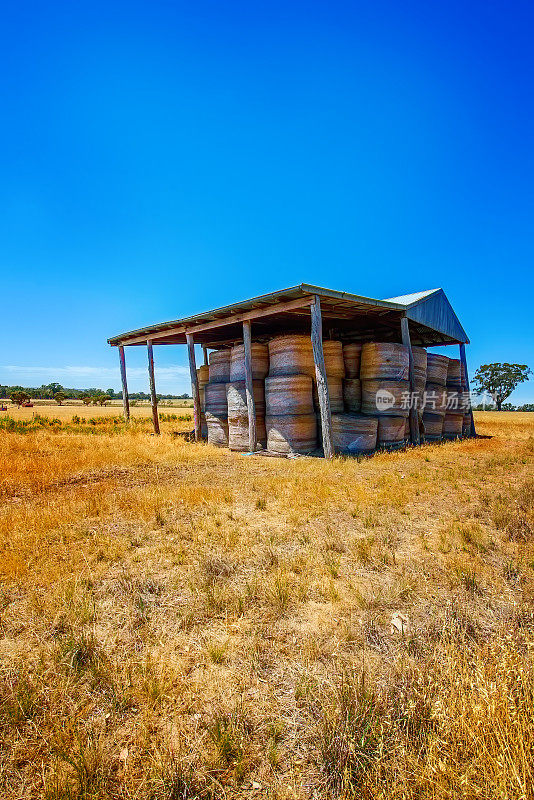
114 408
182 622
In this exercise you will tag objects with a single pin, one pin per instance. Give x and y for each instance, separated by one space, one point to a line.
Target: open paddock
178 621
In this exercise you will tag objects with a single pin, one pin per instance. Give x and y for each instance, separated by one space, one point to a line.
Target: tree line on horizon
50 391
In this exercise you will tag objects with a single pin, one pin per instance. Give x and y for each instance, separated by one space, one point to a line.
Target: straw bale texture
236 397
352 394
291 355
335 391
354 433
436 369
217 431
288 394
385 361
291 433
219 366
259 354
385 397
352 354
215 400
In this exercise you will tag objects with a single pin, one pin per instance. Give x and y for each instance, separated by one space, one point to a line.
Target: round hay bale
454 400
352 354
219 366
385 361
291 433
217 431
288 394
335 390
433 426
215 400
392 430
435 399
452 425
236 397
238 433
291 355
383 397
419 367
354 433
454 373
333 358
259 356
436 369
352 394
203 375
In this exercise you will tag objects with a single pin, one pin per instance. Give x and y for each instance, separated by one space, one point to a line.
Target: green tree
500 380
59 397
19 397
86 400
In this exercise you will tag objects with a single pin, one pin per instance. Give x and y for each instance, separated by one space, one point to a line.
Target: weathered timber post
153 397
194 385
414 419
463 359
320 376
125 402
205 351
249 387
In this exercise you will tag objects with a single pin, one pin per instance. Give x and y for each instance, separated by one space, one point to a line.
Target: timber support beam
320 376
197 412
152 381
414 417
125 401
249 386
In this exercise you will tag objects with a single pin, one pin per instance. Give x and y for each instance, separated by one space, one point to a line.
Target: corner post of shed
205 353
463 359
249 386
152 380
414 420
320 375
194 385
125 401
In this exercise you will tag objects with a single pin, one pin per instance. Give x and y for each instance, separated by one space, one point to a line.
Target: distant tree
86 400
508 407
526 407
59 397
19 397
500 380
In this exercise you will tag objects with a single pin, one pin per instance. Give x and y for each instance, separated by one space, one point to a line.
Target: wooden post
463 359
414 417
197 411
153 398
205 351
249 386
125 402
320 376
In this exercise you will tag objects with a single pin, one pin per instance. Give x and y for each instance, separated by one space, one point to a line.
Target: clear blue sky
160 159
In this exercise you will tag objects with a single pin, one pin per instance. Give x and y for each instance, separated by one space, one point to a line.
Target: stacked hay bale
435 396
352 386
203 376
454 415
290 421
385 386
236 395
215 398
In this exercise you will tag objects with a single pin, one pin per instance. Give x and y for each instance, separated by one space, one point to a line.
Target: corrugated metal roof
414 297
434 319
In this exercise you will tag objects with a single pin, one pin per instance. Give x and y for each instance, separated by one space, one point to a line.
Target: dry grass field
180 622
